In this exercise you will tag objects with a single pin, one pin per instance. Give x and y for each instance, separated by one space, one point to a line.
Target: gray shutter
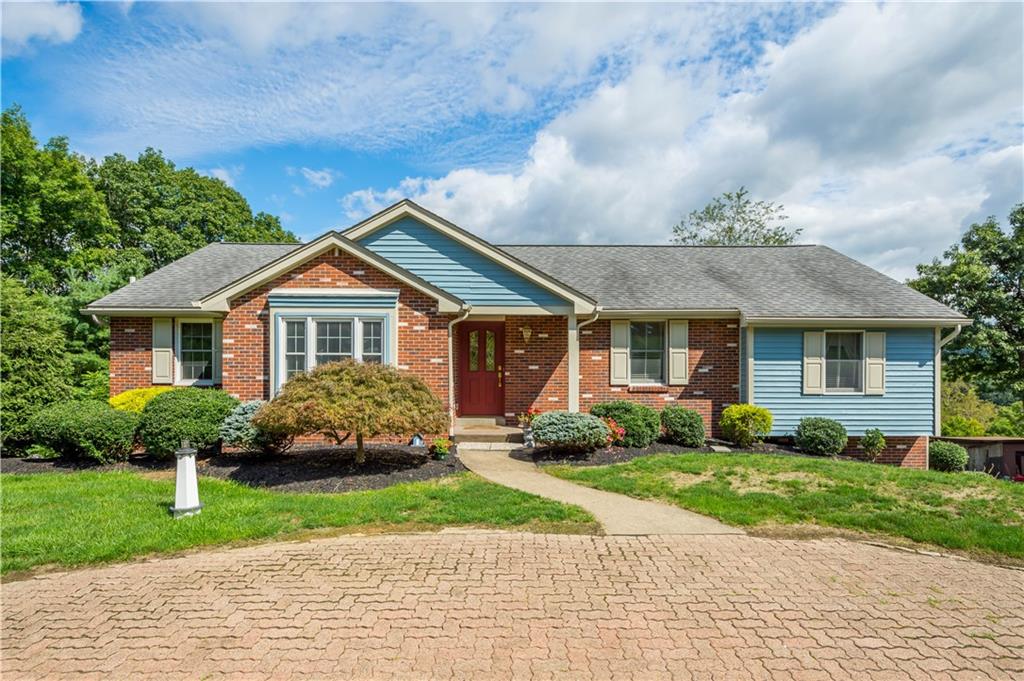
163 350
678 352
874 363
218 350
620 352
814 363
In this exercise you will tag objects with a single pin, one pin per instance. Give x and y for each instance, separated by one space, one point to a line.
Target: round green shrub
91 429
948 457
193 414
683 426
576 431
239 431
819 435
642 424
872 442
745 424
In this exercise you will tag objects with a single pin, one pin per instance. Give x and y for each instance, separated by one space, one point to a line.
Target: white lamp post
186 484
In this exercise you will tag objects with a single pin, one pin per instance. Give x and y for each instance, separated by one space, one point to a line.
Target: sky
884 128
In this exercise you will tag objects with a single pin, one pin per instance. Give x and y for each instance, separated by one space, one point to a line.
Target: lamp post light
186 484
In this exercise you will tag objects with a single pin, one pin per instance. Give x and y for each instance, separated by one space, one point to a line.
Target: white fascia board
666 314
334 292
147 312
220 300
406 208
524 311
854 322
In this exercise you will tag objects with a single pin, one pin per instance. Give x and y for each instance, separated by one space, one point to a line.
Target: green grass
87 518
967 512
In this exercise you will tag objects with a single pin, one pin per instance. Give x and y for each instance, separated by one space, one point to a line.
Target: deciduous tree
733 219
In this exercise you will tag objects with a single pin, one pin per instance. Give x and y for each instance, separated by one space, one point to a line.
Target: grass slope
85 518
968 512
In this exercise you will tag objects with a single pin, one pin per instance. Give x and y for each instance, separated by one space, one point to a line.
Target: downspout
941 343
97 321
451 368
954 334
597 313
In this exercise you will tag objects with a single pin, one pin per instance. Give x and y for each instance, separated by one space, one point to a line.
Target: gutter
951 336
467 308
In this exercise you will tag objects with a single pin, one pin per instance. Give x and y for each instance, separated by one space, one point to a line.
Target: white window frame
179 379
664 353
863 361
311 320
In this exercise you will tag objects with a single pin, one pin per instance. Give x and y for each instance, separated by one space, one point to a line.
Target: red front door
481 363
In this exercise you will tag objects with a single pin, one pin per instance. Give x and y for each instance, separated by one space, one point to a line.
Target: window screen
647 352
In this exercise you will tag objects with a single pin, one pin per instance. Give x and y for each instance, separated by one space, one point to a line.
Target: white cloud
320 179
228 175
28 22
883 129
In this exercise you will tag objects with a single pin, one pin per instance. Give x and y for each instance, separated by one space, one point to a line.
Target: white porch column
574 364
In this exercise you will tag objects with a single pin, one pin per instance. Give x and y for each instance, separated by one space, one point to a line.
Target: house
495 330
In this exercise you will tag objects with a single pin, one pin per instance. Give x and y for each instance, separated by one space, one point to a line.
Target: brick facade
907 452
536 372
714 371
131 353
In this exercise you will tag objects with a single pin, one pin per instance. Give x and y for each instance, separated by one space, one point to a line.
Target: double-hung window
307 341
196 352
647 352
844 362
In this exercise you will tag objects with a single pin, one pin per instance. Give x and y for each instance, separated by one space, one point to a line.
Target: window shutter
163 350
874 363
678 352
814 363
620 352
218 350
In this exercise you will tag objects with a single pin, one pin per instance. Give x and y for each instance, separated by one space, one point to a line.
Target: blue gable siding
906 408
449 265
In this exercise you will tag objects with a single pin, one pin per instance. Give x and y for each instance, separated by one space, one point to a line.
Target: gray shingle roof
195 276
783 281
763 281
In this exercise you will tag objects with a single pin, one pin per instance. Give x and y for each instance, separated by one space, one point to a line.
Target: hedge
91 429
571 430
642 424
193 414
683 426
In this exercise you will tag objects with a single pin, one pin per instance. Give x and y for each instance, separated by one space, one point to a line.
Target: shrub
642 424
441 447
961 426
137 399
683 426
193 414
615 431
34 370
349 397
239 431
819 435
947 456
745 424
91 429
872 442
577 431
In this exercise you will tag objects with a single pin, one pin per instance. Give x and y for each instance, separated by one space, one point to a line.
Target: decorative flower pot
528 436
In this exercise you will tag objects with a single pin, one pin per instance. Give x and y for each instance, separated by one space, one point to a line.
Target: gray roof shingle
760 281
195 276
763 281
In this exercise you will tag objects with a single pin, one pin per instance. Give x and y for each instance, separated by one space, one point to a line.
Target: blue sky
884 128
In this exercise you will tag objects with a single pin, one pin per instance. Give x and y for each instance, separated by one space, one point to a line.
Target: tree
983 278
732 219
1009 421
167 213
960 399
51 216
34 372
339 399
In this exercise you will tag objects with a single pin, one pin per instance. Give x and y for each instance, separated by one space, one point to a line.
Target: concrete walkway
618 514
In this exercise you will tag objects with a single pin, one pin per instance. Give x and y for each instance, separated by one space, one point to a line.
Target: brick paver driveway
495 605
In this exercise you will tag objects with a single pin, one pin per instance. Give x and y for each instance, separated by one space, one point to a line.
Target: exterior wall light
527 332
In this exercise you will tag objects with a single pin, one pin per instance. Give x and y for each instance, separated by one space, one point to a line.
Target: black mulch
328 469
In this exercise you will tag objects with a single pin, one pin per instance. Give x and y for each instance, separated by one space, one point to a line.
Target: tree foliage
34 371
733 219
365 400
983 278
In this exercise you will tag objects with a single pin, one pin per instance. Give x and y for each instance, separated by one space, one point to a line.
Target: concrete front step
487 433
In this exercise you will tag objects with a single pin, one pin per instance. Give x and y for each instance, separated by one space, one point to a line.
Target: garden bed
327 469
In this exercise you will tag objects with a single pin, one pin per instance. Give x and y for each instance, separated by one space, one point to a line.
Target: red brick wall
422 331
908 452
714 371
131 353
537 372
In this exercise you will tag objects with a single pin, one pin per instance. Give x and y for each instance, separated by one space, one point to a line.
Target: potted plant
526 423
440 448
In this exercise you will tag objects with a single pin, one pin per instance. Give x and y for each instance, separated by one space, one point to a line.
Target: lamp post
186 484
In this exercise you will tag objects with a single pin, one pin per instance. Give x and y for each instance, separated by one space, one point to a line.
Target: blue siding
450 266
906 408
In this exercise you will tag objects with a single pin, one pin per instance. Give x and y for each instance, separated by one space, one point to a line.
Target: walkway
617 513
494 605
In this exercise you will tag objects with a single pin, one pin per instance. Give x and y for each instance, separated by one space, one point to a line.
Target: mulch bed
326 469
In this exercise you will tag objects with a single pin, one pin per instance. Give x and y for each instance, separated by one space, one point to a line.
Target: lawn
968 512
86 518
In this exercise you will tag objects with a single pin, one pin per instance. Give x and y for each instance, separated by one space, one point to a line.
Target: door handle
499 375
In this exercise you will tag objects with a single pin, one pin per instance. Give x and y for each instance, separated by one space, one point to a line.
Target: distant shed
1003 455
